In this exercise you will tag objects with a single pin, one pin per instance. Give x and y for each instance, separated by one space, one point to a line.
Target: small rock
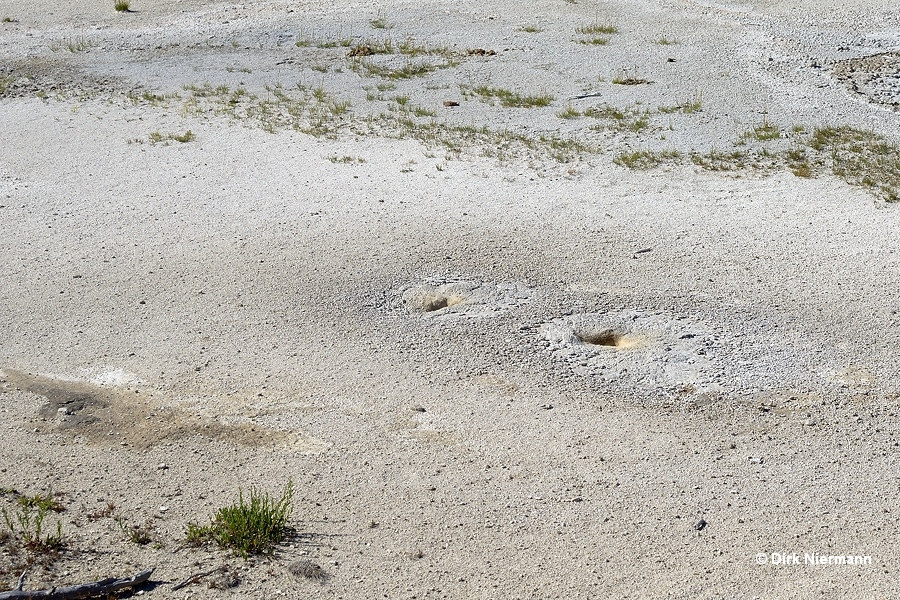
417 408
809 422
756 460
547 406
162 466
700 525
163 508
450 103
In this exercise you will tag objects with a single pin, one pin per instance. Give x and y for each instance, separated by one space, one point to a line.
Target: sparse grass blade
595 28
508 98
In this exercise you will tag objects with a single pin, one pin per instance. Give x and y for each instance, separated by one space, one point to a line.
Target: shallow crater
608 338
441 297
654 349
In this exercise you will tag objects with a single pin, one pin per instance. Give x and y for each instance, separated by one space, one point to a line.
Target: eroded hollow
431 302
609 338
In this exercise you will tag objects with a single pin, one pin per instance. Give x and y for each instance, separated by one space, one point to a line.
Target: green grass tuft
45 502
155 137
595 28
253 526
136 534
631 118
597 41
407 71
123 6
25 524
508 98
862 158
380 22
569 113
764 132
690 106
646 159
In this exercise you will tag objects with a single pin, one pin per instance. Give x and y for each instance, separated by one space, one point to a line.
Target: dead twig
104 587
192 579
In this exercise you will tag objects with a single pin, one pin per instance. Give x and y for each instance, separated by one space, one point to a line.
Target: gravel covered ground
565 300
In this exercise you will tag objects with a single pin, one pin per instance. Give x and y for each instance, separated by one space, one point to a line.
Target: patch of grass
530 29
25 524
407 71
761 161
626 79
346 160
311 111
597 41
380 22
122 6
631 118
645 159
508 98
140 535
666 41
690 106
799 162
73 45
45 502
597 28
499 144
718 160
569 113
409 47
248 527
861 157
338 43
156 137
764 132
420 111
370 48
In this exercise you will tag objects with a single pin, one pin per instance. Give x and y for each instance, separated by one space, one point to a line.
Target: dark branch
78 592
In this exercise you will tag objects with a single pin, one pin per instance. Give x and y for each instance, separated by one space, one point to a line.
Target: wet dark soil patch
111 415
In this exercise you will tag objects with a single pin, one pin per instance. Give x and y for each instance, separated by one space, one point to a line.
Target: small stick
192 579
21 581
